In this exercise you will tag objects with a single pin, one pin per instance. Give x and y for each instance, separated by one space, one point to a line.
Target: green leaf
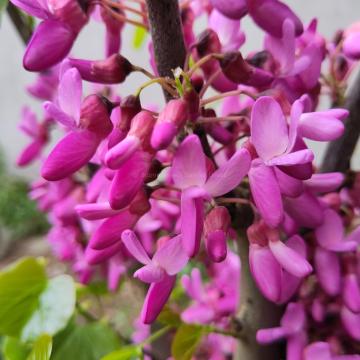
131 352
139 37
55 308
87 342
169 317
13 349
42 348
186 340
20 288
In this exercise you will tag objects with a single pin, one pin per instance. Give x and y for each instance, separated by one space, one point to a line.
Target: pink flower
38 132
189 174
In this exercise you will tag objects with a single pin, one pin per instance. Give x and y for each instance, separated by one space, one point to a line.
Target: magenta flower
321 350
89 124
277 267
274 142
189 174
292 328
55 35
38 132
233 9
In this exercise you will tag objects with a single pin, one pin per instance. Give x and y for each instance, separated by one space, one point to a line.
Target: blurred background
16 212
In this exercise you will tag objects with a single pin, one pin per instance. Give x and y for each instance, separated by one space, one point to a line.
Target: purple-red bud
112 70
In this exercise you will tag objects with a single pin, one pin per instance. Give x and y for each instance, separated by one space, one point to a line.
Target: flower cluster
176 190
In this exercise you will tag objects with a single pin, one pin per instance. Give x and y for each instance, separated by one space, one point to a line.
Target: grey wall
332 15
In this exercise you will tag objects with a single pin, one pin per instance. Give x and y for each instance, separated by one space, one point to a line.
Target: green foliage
139 37
42 348
169 317
186 340
85 342
20 288
130 352
3 5
55 307
14 349
17 212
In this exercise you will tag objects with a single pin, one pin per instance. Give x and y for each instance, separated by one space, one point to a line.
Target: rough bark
167 36
339 152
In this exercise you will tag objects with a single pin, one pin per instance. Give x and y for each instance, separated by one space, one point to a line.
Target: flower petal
70 154
33 8
192 221
50 43
266 271
288 185
229 175
351 322
330 235
266 193
57 114
95 211
351 292
289 259
171 256
189 165
323 183
70 93
295 158
150 273
269 132
135 247
156 298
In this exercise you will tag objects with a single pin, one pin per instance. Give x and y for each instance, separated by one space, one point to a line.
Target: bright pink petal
156 298
192 221
129 179
95 211
323 183
69 155
351 45
351 292
109 232
94 257
57 114
33 8
30 153
294 318
328 271
289 259
50 43
269 132
318 350
288 185
189 166
295 346
229 175
171 256
266 272
330 235
216 247
295 158
135 247
268 336
70 93
121 152
319 126
29 124
198 313
150 273
266 193
306 210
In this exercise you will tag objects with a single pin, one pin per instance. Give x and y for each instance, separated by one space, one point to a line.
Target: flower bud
95 115
170 121
112 70
218 132
216 227
239 71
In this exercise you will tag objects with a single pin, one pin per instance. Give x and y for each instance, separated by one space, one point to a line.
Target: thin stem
123 18
203 61
124 7
156 335
144 71
84 313
226 94
160 81
208 83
